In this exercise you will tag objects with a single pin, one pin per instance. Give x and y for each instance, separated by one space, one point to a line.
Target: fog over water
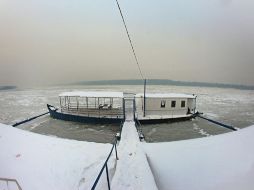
62 41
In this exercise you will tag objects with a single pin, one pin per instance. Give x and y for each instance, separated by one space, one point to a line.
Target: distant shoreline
8 87
164 82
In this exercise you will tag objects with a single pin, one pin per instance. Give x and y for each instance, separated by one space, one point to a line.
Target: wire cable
132 47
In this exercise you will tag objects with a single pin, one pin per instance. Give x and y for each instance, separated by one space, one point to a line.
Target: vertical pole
144 111
111 107
123 108
134 109
194 110
99 106
60 102
107 176
121 127
93 111
87 106
116 151
68 102
77 103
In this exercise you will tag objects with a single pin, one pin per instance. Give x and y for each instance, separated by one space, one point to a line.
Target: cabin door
129 109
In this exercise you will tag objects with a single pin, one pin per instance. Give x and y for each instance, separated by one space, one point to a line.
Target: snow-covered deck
151 117
132 169
222 162
165 95
42 162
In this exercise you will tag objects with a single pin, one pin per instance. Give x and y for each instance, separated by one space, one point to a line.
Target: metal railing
7 180
105 166
139 130
95 112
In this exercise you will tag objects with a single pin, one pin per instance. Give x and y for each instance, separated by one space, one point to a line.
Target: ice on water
231 106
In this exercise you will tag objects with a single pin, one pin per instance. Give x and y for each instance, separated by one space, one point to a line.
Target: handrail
109 112
7 180
121 126
105 165
113 111
95 114
139 129
91 107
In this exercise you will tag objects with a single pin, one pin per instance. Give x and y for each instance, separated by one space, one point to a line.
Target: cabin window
163 103
173 104
182 104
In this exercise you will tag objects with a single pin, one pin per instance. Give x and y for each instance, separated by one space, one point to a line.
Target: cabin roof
91 94
165 95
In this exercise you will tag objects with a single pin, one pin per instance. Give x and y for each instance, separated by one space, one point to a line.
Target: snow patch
42 162
200 131
223 162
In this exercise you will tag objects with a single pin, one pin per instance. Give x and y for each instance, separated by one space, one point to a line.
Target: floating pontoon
158 108
90 107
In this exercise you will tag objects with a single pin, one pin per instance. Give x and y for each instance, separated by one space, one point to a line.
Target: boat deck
149 117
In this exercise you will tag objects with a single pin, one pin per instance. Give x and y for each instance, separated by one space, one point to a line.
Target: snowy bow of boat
40 162
43 162
223 162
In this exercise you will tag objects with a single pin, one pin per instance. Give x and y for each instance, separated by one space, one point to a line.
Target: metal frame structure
93 104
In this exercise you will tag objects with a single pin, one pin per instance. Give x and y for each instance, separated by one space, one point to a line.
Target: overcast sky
59 41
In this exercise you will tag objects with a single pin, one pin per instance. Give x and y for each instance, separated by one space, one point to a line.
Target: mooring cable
129 37
218 123
29 119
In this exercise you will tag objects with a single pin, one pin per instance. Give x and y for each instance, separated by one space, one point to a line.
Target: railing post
134 109
121 126
116 151
11 180
107 176
124 109
105 166
144 112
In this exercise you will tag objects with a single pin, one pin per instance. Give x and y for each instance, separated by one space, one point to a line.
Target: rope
132 46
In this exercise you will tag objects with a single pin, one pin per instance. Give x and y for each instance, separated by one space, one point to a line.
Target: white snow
149 117
132 169
222 162
200 131
91 94
41 162
165 95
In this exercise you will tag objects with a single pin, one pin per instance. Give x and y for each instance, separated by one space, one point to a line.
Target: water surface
231 106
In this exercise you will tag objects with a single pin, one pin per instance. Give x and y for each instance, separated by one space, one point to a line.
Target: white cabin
164 106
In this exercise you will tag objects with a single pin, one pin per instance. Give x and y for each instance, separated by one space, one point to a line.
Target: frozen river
231 106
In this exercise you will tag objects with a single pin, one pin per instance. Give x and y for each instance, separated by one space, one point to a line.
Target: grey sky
58 41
